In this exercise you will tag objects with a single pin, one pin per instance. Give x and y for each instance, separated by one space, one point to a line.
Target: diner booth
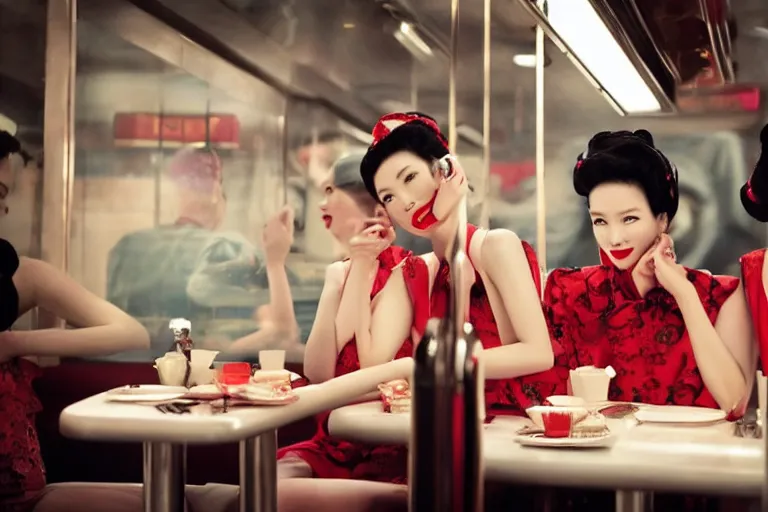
105 94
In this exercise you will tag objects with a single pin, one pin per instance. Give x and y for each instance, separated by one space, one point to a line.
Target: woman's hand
8 346
371 240
670 274
451 189
644 273
277 236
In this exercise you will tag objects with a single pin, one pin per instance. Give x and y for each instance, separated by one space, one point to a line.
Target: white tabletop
704 459
97 419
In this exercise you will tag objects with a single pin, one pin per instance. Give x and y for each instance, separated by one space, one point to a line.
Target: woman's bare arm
321 351
101 328
390 323
725 353
505 264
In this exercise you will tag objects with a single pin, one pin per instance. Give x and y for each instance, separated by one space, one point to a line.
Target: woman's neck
444 235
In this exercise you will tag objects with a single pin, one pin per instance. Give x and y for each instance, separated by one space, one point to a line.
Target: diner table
701 459
165 436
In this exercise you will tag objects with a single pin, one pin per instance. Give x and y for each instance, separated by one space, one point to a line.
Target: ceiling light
407 36
525 60
349 25
6 124
583 35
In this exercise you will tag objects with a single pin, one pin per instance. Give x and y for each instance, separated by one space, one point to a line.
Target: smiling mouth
423 217
621 254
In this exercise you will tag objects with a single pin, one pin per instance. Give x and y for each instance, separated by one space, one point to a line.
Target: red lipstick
423 218
327 219
620 254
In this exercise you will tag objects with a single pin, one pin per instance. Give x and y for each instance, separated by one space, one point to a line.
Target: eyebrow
399 174
624 212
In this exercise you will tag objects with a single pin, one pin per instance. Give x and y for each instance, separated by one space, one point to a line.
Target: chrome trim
541 198
452 71
58 138
258 473
485 213
719 37
165 468
667 105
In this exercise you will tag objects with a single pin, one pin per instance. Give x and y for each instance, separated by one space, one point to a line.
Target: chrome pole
258 473
164 477
541 202
485 213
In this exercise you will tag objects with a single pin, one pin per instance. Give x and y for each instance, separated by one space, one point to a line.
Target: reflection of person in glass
674 335
187 267
332 350
754 271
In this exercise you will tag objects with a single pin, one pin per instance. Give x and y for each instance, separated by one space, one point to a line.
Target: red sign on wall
159 130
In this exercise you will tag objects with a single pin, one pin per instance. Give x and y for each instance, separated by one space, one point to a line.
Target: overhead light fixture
407 36
525 60
580 32
8 125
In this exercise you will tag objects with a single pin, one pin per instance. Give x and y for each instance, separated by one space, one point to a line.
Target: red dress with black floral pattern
507 396
598 317
752 277
333 458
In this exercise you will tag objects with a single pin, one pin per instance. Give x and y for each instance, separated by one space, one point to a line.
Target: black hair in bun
8 144
754 193
414 136
629 157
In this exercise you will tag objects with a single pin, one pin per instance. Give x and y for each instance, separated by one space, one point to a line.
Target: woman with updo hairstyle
361 472
674 335
409 170
754 271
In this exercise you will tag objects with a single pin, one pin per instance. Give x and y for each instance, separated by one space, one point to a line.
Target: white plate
540 440
678 414
146 393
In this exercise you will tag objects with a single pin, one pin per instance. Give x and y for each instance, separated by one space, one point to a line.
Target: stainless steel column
485 212
541 201
165 468
452 73
634 501
258 473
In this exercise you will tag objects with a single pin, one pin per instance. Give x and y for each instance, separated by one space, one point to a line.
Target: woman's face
341 212
624 226
408 189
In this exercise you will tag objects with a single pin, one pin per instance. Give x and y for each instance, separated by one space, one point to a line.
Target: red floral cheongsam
752 277
599 318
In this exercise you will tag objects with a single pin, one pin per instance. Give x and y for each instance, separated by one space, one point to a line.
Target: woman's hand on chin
644 273
670 274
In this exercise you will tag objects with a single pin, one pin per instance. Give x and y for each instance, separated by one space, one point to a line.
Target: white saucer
678 414
146 393
540 440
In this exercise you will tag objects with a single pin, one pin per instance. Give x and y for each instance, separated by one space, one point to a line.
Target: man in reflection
188 269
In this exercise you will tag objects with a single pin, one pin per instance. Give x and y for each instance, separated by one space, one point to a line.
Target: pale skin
404 183
100 327
725 352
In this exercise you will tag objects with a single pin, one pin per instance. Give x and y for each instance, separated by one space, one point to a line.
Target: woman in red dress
332 349
410 171
674 335
754 271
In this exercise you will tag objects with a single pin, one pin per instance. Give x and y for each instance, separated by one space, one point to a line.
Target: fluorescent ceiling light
407 36
580 27
525 60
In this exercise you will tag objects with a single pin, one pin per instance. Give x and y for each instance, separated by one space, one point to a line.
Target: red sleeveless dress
598 317
752 277
333 458
507 396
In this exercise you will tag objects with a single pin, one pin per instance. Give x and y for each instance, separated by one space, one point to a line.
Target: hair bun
646 136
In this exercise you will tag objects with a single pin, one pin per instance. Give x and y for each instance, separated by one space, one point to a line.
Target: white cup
590 384
272 360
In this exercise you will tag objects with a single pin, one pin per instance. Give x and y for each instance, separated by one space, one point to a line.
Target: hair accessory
388 123
750 193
